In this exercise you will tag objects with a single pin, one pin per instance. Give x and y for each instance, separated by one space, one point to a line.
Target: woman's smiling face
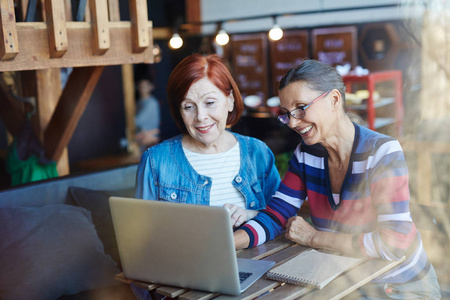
311 126
205 111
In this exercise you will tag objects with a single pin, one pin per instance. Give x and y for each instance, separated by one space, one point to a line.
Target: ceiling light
222 37
157 55
176 41
276 33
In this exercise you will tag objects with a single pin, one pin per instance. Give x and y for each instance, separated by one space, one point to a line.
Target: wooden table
280 250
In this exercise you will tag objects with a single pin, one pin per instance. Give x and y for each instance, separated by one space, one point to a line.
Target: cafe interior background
402 47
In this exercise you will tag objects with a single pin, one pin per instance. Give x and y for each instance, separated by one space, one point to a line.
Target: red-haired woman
208 164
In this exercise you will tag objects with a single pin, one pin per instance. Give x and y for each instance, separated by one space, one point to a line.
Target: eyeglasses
299 112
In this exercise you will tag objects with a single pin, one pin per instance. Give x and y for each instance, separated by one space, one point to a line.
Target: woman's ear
336 99
230 100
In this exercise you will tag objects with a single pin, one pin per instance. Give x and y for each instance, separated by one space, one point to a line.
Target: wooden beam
9 46
87 12
23 4
48 93
49 89
69 110
129 101
100 26
193 15
41 15
45 86
162 33
139 29
62 165
11 110
68 10
34 53
56 28
114 10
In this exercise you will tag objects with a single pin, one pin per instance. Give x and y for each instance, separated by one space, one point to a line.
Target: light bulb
175 41
156 50
275 33
156 53
222 38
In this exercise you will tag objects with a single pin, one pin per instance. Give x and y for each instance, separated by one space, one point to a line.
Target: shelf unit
376 118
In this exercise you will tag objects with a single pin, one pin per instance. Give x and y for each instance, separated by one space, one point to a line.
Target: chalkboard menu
335 46
286 53
249 56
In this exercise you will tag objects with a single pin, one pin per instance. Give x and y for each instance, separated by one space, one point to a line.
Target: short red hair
194 68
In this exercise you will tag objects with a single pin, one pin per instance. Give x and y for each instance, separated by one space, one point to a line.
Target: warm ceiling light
157 55
276 33
176 41
222 37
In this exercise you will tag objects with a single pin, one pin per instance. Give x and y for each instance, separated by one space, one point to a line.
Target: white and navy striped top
222 168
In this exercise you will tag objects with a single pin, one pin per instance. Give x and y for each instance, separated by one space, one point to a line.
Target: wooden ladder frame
40 49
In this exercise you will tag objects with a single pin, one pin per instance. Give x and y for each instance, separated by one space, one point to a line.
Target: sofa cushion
50 251
97 202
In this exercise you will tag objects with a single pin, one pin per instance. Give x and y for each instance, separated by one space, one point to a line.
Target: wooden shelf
377 104
378 113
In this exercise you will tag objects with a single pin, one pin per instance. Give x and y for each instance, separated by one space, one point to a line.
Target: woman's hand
300 231
239 215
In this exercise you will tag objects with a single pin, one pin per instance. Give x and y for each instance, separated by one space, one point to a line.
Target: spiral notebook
312 268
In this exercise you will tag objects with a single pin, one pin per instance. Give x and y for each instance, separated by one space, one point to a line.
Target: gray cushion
51 251
97 202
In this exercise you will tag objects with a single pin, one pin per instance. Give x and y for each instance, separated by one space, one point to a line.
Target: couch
57 240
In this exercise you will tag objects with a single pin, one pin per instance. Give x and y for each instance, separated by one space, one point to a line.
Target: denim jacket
164 173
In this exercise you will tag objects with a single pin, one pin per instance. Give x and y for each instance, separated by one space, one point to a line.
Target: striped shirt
373 202
222 168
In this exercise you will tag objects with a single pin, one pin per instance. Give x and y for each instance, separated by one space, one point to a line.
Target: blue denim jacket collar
166 174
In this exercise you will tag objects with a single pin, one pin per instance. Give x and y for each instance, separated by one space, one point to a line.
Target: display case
383 107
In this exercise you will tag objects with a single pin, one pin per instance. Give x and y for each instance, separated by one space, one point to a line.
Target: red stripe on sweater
255 235
282 220
352 212
398 239
293 181
390 189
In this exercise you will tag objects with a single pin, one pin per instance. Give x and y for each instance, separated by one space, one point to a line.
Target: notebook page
312 268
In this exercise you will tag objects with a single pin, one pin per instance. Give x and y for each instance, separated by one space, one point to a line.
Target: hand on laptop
239 215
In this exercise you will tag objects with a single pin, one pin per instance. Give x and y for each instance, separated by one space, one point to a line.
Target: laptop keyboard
244 275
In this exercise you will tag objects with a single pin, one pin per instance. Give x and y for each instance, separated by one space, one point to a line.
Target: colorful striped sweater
374 202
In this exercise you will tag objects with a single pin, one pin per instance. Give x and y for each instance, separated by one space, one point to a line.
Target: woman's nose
293 122
201 113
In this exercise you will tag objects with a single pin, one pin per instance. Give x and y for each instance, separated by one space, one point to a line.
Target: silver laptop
182 245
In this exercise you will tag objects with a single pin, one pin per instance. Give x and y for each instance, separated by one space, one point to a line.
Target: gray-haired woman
356 183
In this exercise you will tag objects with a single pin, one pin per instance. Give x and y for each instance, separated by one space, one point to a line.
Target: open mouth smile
305 130
205 128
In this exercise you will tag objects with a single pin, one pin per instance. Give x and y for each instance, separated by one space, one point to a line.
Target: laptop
182 245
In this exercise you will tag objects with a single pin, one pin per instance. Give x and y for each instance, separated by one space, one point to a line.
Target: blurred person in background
147 117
